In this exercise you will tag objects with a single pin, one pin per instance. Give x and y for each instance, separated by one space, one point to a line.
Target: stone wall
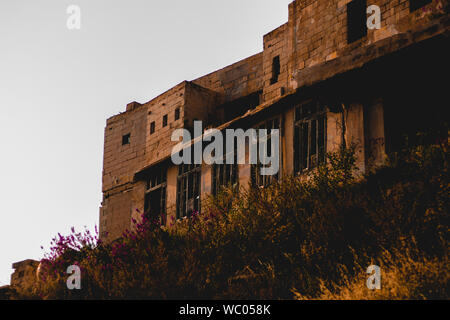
24 275
311 48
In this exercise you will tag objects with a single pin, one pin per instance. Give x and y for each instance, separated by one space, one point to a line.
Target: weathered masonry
323 78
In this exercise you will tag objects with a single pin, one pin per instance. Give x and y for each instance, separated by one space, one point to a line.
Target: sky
58 87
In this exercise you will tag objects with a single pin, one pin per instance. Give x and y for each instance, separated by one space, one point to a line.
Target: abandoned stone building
323 78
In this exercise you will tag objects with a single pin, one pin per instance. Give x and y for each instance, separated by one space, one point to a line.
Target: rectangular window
275 70
417 4
126 139
152 127
309 136
188 190
224 175
177 114
356 20
257 178
155 196
164 121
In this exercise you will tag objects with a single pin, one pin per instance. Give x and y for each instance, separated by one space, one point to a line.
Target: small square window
417 4
177 114
126 139
152 127
165 120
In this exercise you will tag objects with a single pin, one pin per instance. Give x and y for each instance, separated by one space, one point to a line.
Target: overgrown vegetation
296 239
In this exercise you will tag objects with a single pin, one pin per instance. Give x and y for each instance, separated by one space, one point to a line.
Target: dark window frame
157 180
165 120
152 127
177 114
126 139
276 70
225 175
356 20
188 190
310 136
255 171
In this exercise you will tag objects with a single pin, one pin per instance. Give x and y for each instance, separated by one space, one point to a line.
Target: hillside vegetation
296 239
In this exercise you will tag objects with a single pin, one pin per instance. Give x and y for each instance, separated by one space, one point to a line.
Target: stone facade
24 274
23 278
323 78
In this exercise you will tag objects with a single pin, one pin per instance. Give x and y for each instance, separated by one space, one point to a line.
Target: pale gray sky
58 87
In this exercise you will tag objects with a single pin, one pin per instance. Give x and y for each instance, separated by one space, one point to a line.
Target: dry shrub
317 236
405 275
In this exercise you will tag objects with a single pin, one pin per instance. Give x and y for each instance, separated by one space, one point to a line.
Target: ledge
357 58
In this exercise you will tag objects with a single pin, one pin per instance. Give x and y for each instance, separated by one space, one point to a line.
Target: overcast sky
58 87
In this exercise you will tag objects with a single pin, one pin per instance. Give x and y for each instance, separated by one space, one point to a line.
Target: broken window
126 139
417 4
152 127
164 121
177 114
309 136
257 178
155 196
275 70
356 20
188 190
224 175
